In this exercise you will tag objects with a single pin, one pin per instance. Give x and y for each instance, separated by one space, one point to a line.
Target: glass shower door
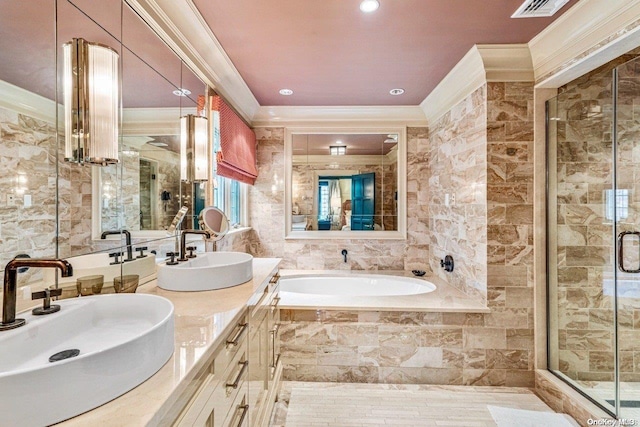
627 214
580 239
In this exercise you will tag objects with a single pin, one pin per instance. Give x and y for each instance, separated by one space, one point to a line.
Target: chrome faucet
183 241
9 320
127 236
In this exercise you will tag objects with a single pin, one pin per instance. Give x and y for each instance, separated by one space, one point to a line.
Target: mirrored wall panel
344 182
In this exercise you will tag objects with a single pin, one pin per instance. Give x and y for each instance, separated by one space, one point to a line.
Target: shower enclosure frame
615 409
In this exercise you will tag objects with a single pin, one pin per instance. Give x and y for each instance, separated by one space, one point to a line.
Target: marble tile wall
27 167
408 348
457 161
509 195
267 210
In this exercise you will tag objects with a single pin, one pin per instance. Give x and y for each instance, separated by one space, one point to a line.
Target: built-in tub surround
450 343
267 216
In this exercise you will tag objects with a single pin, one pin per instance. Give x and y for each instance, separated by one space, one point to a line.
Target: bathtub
358 292
364 285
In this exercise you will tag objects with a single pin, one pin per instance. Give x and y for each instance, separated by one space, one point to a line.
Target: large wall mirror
52 208
345 183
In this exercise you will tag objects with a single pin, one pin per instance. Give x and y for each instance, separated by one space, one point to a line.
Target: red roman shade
237 156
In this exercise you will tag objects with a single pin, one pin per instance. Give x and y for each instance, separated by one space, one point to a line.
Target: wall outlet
11 199
452 198
27 200
446 199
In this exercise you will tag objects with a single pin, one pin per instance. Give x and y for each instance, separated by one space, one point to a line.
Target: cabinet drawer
238 415
218 371
221 401
235 341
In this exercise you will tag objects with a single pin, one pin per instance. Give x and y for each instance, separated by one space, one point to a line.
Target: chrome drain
65 354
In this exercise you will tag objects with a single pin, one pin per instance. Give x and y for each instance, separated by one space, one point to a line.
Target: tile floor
307 404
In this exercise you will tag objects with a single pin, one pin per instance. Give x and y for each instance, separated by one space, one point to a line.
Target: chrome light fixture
194 149
91 103
337 150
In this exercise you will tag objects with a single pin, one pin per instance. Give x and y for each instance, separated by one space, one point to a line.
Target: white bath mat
509 417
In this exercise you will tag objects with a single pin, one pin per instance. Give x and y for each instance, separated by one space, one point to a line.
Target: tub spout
344 254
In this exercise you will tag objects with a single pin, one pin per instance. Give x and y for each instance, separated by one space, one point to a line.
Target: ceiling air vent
538 8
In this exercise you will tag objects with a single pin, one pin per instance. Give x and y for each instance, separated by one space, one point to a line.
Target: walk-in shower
593 235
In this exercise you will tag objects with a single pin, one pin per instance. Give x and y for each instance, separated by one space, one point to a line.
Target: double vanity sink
91 351
207 272
97 348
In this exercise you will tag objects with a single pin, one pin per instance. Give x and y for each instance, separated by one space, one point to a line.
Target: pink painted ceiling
150 70
330 53
357 144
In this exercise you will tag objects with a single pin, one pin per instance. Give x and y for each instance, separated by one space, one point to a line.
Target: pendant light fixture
194 153
91 103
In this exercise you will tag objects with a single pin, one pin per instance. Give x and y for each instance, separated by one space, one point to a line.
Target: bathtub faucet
344 254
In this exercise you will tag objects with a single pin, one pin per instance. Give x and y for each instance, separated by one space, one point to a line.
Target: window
229 195
323 199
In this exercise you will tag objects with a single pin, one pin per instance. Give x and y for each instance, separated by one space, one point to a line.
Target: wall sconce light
91 103
337 150
194 149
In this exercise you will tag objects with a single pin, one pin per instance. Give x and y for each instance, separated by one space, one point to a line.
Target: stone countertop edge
215 311
445 299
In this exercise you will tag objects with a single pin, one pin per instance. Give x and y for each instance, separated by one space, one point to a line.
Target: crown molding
481 64
28 103
182 27
590 34
407 115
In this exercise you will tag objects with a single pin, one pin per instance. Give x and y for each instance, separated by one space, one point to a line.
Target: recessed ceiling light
368 6
338 142
182 92
396 91
286 92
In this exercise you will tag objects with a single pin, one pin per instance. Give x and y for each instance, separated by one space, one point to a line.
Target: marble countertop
201 319
445 298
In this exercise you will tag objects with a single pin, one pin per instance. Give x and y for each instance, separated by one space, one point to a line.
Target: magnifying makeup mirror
214 221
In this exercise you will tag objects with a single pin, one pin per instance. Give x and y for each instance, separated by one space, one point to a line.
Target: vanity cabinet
239 384
264 358
221 399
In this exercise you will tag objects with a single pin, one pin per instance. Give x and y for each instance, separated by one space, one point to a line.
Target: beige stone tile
357 335
315 333
508 359
474 337
399 335
480 377
440 336
337 355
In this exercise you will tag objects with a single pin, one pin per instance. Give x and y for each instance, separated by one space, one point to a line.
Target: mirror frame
400 234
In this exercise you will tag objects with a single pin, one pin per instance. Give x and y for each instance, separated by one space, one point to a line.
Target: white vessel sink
123 339
209 271
88 265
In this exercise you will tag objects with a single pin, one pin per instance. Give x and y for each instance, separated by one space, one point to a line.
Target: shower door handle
621 237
